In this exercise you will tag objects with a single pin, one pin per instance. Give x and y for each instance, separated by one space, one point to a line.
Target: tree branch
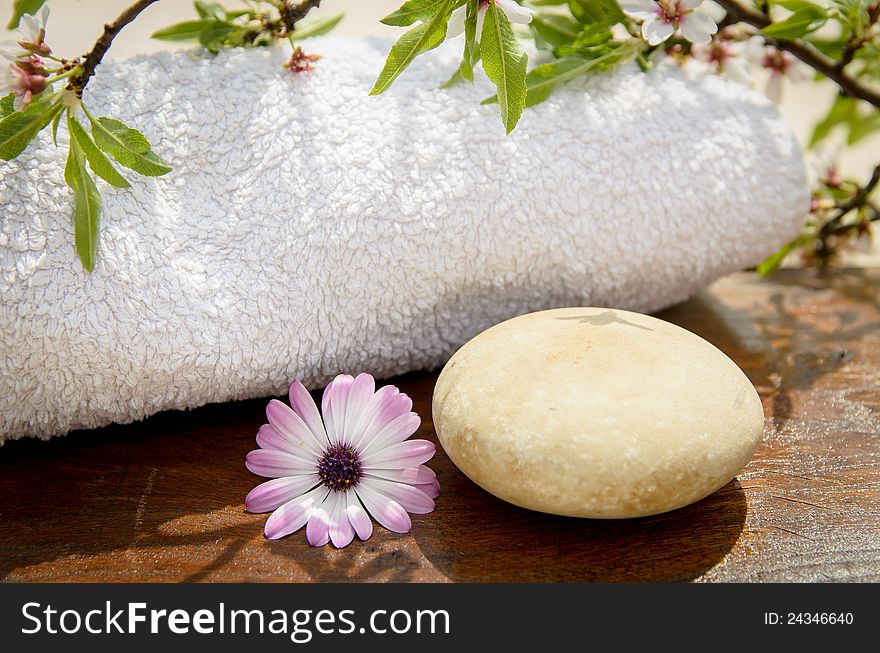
860 199
292 11
806 53
856 41
96 54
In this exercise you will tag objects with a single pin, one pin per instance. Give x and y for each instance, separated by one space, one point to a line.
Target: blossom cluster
24 71
732 52
28 72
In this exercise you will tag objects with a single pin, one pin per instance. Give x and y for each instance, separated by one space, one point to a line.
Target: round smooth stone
591 412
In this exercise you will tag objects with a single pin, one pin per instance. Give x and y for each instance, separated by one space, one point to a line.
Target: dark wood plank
162 500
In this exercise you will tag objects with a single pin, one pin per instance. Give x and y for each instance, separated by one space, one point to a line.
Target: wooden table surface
163 500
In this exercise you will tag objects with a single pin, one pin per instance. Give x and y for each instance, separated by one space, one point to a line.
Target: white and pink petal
318 526
698 28
357 516
387 512
413 475
31 26
359 400
432 489
387 405
268 437
290 425
294 514
516 13
394 432
642 9
333 405
303 405
273 464
410 498
341 529
272 494
410 453
656 31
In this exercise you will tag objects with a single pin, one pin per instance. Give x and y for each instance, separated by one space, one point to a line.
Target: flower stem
96 54
73 71
82 105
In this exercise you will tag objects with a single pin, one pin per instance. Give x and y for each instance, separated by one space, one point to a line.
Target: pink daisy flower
328 475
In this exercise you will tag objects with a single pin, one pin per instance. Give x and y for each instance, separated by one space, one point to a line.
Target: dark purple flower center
340 467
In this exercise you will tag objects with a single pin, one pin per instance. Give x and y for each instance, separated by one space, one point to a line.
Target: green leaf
7 105
849 113
210 10
454 80
829 47
604 12
808 18
186 31
471 47
505 64
592 42
553 31
413 11
772 262
19 128
315 26
87 208
542 79
55 122
214 34
794 5
862 127
841 112
22 7
98 161
128 146
425 36
853 14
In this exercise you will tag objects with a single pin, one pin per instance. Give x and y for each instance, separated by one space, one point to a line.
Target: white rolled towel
310 229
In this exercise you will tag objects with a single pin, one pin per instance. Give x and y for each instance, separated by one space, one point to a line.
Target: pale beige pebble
591 412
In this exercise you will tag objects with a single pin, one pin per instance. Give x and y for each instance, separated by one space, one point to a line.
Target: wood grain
162 500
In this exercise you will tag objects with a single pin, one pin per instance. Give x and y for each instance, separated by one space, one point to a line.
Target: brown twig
842 229
849 52
806 53
860 199
292 11
857 41
91 60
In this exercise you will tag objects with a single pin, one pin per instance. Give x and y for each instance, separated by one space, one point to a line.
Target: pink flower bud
300 62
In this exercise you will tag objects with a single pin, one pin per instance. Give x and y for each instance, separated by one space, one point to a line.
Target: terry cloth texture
310 229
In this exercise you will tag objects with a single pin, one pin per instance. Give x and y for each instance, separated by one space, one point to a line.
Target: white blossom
730 58
24 77
781 65
33 28
661 18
